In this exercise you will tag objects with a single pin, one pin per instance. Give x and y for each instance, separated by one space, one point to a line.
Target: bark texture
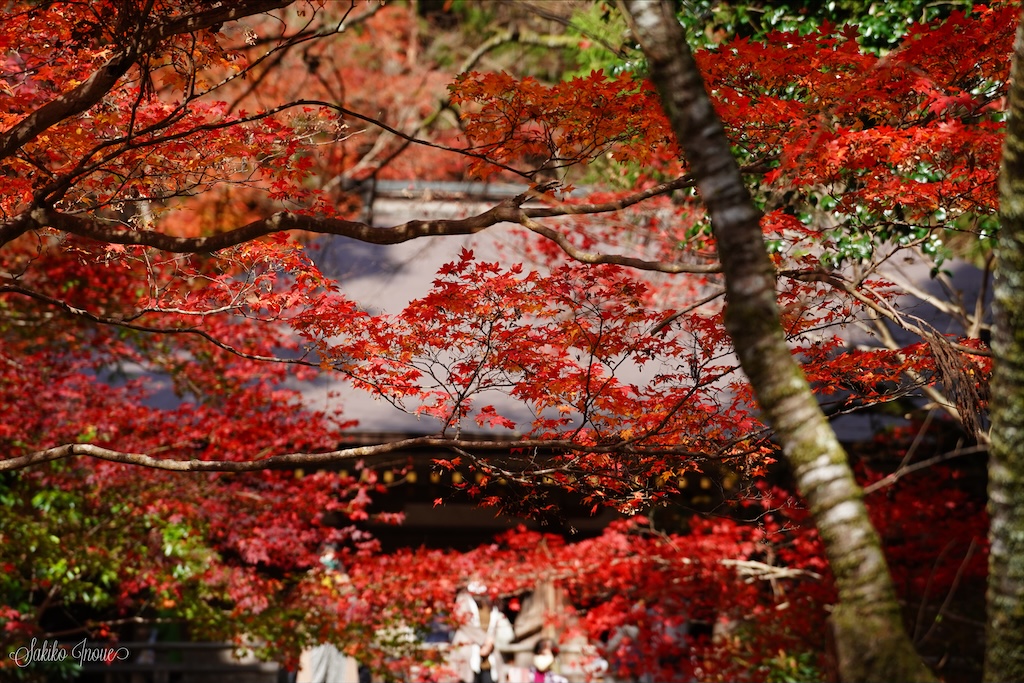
871 642
1004 655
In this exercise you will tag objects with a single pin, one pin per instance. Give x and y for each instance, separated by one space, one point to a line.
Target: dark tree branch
508 211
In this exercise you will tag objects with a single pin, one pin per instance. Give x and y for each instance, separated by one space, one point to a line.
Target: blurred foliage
881 24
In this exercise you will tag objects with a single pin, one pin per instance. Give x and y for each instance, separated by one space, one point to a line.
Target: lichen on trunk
1004 654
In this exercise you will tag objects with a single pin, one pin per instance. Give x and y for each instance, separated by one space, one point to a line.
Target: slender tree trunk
1004 652
871 642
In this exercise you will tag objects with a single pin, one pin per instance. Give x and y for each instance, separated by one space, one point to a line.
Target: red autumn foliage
132 139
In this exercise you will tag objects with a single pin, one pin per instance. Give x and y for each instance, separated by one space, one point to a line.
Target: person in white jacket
484 630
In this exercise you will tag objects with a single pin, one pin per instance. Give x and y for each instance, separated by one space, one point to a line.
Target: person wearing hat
484 630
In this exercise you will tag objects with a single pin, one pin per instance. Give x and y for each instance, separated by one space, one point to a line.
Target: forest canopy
175 172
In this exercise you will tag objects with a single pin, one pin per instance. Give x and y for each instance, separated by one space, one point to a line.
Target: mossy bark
871 642
1004 655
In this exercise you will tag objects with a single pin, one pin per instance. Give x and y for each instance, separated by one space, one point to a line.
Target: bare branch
891 479
296 460
517 36
128 323
752 570
939 400
221 12
508 211
885 311
278 222
628 261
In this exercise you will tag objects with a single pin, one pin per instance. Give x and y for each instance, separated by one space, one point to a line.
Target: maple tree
154 173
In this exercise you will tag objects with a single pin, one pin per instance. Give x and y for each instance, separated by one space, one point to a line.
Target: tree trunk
1004 652
871 642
